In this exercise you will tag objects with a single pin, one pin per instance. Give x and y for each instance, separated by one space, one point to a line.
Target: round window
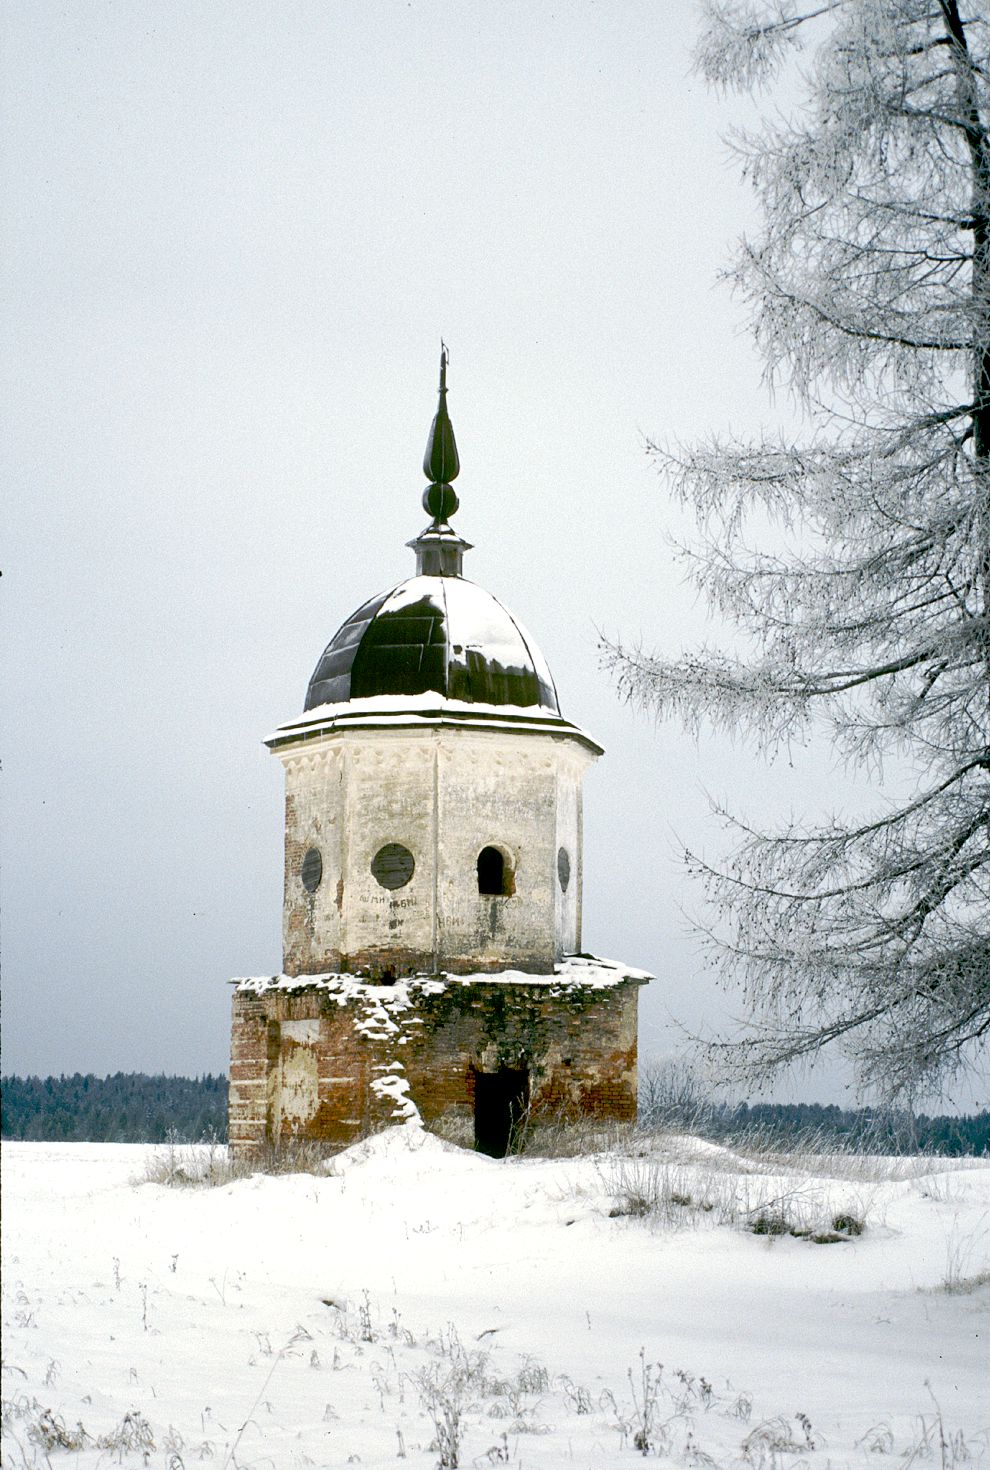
563 869
311 871
393 865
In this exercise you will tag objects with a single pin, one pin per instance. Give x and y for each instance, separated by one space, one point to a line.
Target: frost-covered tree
869 292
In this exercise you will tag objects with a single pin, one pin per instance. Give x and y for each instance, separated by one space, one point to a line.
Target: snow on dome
411 711
443 634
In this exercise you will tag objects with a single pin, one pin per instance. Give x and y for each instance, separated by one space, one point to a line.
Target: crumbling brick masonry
330 1058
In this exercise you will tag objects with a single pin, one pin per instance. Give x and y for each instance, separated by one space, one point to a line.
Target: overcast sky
234 233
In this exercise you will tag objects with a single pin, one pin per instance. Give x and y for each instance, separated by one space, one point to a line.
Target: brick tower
433 870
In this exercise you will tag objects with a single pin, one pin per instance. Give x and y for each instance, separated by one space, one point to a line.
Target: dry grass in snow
665 1298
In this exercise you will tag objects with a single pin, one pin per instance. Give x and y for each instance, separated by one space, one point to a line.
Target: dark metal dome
441 634
435 633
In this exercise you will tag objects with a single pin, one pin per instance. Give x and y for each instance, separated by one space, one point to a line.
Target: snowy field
423 1304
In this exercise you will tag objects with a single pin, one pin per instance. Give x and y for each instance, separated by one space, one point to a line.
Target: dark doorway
500 1102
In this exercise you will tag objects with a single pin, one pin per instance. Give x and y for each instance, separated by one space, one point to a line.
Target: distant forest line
129 1107
133 1107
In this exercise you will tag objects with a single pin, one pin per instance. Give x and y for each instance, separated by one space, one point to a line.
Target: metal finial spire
439 549
440 463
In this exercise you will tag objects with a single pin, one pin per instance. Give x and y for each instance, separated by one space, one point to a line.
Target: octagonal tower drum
433 790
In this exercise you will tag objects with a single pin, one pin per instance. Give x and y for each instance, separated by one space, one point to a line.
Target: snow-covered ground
420 1294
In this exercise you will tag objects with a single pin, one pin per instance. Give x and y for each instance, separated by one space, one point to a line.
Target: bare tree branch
869 287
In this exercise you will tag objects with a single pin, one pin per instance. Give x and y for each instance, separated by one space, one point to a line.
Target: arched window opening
495 875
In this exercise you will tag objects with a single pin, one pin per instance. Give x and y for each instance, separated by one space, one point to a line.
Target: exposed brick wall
304 1060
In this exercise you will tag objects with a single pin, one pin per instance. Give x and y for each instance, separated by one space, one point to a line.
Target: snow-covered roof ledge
398 711
577 972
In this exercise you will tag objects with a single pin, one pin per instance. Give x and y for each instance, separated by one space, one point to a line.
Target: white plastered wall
443 793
